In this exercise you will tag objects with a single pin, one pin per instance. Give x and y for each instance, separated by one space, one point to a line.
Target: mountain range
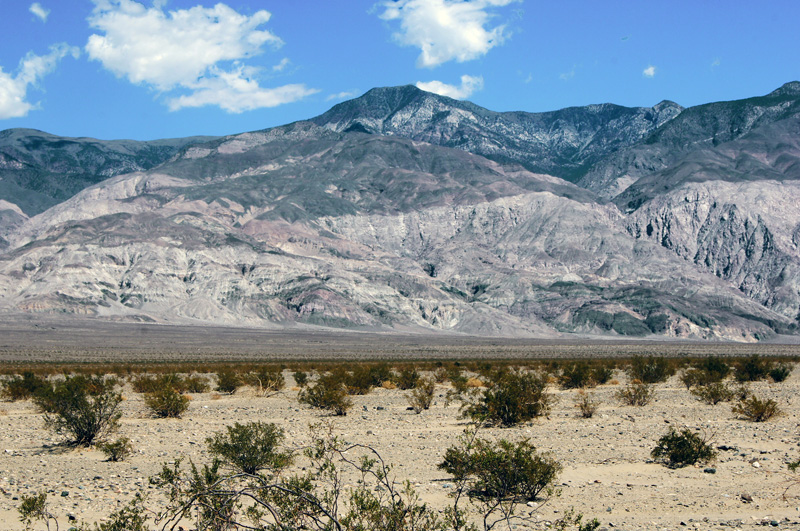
403 210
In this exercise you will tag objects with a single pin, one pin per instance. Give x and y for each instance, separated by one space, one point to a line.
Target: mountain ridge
404 210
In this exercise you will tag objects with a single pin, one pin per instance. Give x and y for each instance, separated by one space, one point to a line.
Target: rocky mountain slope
403 210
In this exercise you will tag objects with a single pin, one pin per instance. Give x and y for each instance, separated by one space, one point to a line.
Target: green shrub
228 382
513 396
636 393
713 393
680 449
650 370
407 379
421 396
81 408
23 387
329 393
756 409
167 402
752 369
117 450
780 372
300 378
501 470
196 383
33 507
251 447
602 373
576 375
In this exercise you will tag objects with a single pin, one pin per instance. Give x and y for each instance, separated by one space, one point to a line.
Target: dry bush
756 409
421 396
679 449
586 404
713 393
636 393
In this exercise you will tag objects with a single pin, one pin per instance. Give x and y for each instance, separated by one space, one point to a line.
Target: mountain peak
791 88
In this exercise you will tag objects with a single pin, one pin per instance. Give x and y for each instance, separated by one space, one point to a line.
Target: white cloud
445 30
237 92
650 71
14 89
566 76
280 67
196 50
342 95
469 85
715 63
41 12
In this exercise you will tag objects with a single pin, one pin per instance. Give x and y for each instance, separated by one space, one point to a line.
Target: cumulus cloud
14 89
237 92
41 12
469 85
198 50
445 30
650 71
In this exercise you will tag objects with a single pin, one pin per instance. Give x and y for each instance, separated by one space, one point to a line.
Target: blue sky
169 68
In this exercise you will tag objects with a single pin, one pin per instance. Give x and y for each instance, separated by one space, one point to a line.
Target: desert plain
607 473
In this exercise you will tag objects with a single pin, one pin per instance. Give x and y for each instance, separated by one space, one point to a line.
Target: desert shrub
149 383
636 393
359 380
33 507
314 499
513 396
167 402
300 378
440 375
713 369
650 370
265 380
117 450
421 396
228 382
780 372
407 378
131 517
576 375
713 393
23 387
81 408
756 409
586 404
602 373
329 393
752 369
497 477
679 449
379 373
251 447
196 383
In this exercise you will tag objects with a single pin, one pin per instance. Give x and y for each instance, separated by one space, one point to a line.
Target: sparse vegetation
752 369
651 369
250 448
636 393
586 404
23 387
713 393
679 449
117 450
81 408
513 396
266 380
166 402
497 477
756 409
421 396
228 381
328 393
779 373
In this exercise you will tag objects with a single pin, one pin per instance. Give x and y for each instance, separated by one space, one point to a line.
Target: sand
607 470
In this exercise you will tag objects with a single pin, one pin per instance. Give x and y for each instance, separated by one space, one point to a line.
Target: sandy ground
607 472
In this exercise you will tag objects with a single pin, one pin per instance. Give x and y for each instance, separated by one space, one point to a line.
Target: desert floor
607 472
